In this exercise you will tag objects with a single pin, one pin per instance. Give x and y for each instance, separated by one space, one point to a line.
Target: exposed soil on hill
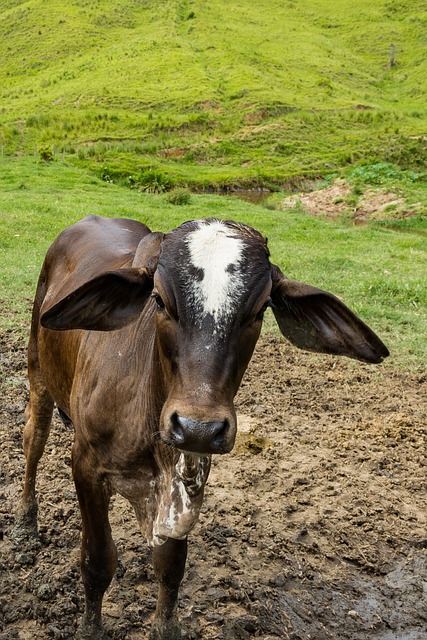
313 528
338 200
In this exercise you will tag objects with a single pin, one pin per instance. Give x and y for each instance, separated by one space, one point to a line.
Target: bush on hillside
179 196
46 154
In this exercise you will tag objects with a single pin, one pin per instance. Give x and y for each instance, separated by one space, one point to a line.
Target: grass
380 273
247 92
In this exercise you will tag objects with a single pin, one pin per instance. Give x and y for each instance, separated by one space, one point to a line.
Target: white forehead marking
214 248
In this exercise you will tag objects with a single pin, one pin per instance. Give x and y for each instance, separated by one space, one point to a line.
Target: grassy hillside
208 94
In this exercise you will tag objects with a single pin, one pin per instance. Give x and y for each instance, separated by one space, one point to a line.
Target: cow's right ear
110 301
317 320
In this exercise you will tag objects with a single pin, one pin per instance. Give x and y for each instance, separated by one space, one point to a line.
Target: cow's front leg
98 551
169 564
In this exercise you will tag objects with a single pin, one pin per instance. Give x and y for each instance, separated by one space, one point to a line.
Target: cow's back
85 250
81 252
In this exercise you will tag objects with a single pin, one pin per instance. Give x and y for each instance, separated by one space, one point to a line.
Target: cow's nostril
177 430
221 434
199 437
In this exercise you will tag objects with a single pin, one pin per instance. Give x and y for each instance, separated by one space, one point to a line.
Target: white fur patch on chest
218 252
180 501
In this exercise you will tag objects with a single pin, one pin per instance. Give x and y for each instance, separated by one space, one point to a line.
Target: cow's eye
260 314
159 301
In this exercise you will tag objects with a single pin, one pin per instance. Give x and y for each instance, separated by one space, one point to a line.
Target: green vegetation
185 92
379 272
179 196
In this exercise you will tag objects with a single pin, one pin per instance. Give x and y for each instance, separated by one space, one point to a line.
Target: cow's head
209 283
212 286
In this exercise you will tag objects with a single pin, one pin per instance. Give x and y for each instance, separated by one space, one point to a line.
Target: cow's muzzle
190 435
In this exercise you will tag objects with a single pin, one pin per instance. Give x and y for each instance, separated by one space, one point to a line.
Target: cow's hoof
24 533
166 630
92 632
24 538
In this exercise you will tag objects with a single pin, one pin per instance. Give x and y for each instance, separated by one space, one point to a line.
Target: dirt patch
331 201
313 528
380 205
339 199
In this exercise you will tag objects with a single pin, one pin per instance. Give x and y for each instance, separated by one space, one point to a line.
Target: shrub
381 172
179 196
46 154
151 181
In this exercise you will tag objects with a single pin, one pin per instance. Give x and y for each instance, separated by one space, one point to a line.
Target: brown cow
141 340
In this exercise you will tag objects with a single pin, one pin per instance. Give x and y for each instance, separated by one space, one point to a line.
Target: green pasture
380 272
211 94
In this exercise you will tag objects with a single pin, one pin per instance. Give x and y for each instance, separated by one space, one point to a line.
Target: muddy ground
313 528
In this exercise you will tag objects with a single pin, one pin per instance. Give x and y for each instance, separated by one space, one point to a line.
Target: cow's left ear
316 320
110 301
